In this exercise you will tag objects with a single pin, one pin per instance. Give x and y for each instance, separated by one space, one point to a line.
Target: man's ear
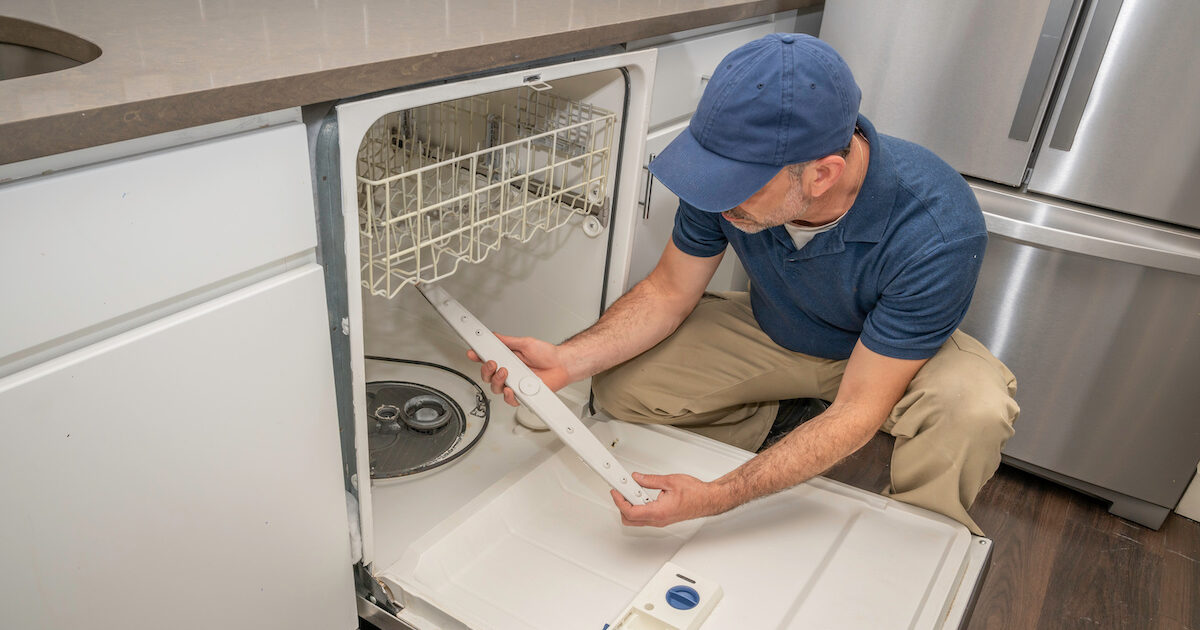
822 174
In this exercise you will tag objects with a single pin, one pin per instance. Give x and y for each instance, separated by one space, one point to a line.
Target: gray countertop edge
33 138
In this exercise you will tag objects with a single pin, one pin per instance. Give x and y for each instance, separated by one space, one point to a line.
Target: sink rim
34 35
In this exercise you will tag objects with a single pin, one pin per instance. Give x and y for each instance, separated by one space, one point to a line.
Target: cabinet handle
645 202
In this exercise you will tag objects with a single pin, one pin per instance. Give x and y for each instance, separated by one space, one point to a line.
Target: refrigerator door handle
1028 222
1083 77
1040 68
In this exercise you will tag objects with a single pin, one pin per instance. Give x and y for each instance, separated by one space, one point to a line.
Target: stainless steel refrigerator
1077 122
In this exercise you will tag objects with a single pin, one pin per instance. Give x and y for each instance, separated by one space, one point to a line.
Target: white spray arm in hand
533 393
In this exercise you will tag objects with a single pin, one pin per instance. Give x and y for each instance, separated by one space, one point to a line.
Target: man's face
779 201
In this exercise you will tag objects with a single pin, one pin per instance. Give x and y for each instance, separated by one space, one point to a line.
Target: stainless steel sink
28 48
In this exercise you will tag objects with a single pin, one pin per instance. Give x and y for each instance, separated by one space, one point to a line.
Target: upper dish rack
446 183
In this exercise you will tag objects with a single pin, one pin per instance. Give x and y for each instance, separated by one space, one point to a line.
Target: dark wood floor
1060 560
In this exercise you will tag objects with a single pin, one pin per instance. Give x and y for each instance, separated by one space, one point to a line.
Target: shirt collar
868 218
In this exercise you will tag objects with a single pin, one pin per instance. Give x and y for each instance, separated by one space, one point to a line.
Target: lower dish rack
448 183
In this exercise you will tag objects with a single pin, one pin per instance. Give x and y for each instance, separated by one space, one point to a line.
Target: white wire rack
448 183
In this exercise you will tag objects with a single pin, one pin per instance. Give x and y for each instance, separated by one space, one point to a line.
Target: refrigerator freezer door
968 80
1096 316
1125 134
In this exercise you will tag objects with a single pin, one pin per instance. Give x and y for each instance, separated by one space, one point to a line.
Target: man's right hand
543 358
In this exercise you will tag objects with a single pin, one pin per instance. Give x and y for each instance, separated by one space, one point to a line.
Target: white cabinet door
656 218
684 68
183 474
83 247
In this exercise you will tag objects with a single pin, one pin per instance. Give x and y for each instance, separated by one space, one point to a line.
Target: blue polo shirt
897 272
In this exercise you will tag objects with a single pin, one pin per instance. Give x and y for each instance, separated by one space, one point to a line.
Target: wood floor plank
1025 528
1180 588
1178 606
868 468
1102 577
1169 624
1182 536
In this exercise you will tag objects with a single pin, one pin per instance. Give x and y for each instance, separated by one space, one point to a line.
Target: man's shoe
792 413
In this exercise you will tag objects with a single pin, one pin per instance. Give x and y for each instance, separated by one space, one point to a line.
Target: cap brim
706 180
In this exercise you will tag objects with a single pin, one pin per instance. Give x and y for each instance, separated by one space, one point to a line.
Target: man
862 251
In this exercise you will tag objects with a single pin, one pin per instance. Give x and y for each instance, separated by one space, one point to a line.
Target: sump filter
413 427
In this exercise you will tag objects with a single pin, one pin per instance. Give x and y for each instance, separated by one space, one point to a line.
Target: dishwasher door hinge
374 590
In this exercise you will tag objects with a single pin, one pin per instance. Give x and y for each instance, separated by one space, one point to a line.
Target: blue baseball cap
782 99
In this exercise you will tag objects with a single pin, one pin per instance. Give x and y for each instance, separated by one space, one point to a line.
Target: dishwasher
516 194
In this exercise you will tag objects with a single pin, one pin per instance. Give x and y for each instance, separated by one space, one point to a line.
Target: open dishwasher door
545 548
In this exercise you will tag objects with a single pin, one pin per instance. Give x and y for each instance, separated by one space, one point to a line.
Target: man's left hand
683 497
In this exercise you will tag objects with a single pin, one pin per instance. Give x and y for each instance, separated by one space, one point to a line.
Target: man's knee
982 412
616 393
966 406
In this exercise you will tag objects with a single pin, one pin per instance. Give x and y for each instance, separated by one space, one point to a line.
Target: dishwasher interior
516 194
500 198
507 199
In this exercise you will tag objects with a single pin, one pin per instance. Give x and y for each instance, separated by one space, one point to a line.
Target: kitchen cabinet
100 244
656 220
184 472
169 451
687 60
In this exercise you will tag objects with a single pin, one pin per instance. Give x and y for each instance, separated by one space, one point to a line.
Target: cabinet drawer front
88 245
192 461
683 67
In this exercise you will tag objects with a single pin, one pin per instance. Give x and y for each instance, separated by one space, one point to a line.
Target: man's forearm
809 450
871 387
641 318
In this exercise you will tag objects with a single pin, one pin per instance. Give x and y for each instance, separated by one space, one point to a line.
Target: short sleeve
925 302
698 233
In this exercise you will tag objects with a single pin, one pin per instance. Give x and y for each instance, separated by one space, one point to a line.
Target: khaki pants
721 376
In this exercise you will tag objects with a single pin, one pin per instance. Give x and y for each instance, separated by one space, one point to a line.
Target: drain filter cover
412 428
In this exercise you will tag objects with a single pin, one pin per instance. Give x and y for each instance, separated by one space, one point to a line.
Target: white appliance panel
172 472
103 241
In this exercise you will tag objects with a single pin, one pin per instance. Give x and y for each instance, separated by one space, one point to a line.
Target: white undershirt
801 235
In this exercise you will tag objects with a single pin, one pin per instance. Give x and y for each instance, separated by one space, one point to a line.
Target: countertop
171 64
